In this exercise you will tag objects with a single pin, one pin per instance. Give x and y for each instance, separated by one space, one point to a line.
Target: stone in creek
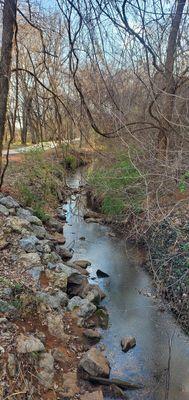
64 253
46 373
29 243
91 214
94 363
72 274
9 202
82 263
97 395
29 344
82 238
61 214
56 326
92 334
103 317
128 343
102 274
4 210
55 225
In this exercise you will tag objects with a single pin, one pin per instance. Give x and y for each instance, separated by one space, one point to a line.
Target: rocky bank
50 315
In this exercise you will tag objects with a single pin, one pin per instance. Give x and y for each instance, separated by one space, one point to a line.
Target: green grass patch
120 186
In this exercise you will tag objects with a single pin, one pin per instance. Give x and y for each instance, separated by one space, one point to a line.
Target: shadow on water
131 311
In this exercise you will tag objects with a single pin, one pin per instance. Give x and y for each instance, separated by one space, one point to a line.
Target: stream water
133 310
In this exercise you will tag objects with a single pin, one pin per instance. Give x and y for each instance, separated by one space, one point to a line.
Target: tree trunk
9 21
170 85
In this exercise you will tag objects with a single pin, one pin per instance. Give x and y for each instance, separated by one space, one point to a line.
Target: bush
119 185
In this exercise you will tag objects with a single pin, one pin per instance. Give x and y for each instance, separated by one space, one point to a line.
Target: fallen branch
114 381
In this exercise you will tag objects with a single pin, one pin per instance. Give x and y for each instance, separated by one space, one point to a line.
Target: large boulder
92 334
94 363
29 344
9 202
29 243
72 274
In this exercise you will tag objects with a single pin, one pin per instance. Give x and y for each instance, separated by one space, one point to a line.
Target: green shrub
40 181
70 162
119 185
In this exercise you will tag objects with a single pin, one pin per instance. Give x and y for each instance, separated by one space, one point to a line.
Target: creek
133 310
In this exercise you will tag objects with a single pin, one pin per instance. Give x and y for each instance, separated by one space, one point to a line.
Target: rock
6 307
57 280
4 210
55 301
127 343
92 334
39 231
64 253
82 238
103 317
82 271
43 247
84 308
56 326
27 214
11 365
35 272
70 387
92 214
9 202
29 344
55 225
93 293
74 303
82 263
51 257
29 243
102 274
97 395
46 373
72 274
94 220
61 214
6 293
17 224
29 259
94 363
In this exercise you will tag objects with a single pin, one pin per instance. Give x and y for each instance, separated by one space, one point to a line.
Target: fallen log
114 381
